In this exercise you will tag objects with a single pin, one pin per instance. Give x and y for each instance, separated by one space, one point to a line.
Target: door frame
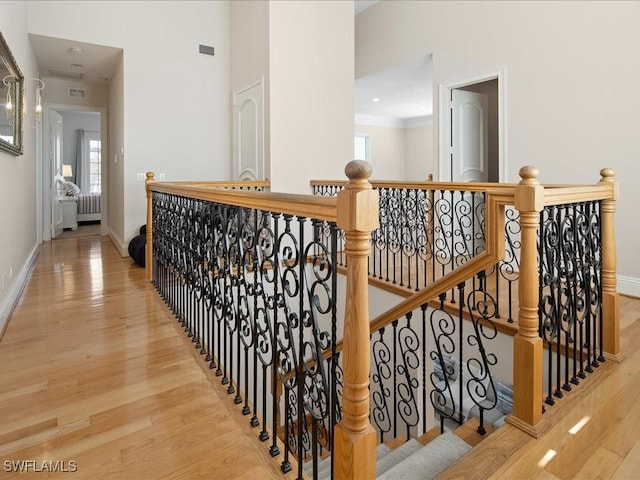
44 166
444 127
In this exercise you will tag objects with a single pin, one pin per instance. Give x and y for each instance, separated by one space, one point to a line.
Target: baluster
527 344
610 317
355 439
148 253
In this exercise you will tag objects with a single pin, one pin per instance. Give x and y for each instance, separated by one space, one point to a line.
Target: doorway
75 171
472 132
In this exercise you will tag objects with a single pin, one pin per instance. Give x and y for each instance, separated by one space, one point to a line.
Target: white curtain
82 163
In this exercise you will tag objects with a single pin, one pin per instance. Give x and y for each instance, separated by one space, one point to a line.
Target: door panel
55 157
248 142
470 158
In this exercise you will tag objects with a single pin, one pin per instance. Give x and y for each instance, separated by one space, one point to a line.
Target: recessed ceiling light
375 99
75 50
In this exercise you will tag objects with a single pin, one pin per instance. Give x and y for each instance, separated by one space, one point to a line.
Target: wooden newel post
527 344
354 437
148 250
610 297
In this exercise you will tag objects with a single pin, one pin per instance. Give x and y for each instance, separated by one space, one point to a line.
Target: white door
470 137
470 163
248 137
55 157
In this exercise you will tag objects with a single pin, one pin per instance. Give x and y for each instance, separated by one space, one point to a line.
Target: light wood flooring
94 370
607 446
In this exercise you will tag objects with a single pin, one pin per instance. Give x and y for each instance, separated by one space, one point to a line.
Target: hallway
96 375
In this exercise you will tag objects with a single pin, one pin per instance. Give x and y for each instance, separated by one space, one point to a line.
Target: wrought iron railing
568 265
255 291
570 308
434 368
429 229
252 278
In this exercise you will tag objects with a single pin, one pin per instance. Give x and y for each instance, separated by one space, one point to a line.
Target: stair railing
568 301
249 279
575 274
428 229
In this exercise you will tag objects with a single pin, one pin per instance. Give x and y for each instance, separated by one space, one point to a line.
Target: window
94 154
362 148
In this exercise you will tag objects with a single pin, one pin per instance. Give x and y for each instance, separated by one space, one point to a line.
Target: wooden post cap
529 175
150 176
608 174
358 170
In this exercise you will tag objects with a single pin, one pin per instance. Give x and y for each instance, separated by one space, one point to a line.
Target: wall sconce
38 109
8 106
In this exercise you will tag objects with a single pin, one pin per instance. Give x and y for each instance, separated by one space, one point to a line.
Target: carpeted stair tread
428 461
397 455
324 465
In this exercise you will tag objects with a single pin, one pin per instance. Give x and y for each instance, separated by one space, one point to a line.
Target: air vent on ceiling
56 72
76 92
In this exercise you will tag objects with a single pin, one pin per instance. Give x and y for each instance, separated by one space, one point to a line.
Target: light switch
140 177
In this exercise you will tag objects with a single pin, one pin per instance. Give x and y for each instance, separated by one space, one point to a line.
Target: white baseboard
629 285
121 246
13 295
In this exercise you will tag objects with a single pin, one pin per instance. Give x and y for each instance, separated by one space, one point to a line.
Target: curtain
82 163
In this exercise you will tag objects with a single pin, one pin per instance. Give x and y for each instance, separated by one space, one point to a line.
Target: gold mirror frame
12 82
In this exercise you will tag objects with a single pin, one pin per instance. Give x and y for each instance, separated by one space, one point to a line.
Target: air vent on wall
207 50
56 72
76 92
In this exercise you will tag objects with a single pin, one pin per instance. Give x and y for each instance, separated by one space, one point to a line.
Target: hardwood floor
607 445
96 375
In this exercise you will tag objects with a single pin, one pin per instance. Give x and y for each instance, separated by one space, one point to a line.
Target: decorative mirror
11 101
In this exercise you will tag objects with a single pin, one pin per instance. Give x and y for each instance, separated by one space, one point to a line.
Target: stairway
411 460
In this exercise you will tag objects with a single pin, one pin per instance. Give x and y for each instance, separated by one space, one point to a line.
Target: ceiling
360 5
60 58
404 92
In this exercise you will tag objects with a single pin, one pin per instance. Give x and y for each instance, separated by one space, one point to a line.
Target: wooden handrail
565 195
225 183
308 206
458 186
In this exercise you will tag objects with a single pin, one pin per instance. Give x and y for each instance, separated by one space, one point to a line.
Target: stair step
398 455
324 465
428 461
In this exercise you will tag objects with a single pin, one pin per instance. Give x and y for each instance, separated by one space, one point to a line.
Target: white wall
115 171
387 151
18 193
418 153
57 91
312 91
164 77
572 103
